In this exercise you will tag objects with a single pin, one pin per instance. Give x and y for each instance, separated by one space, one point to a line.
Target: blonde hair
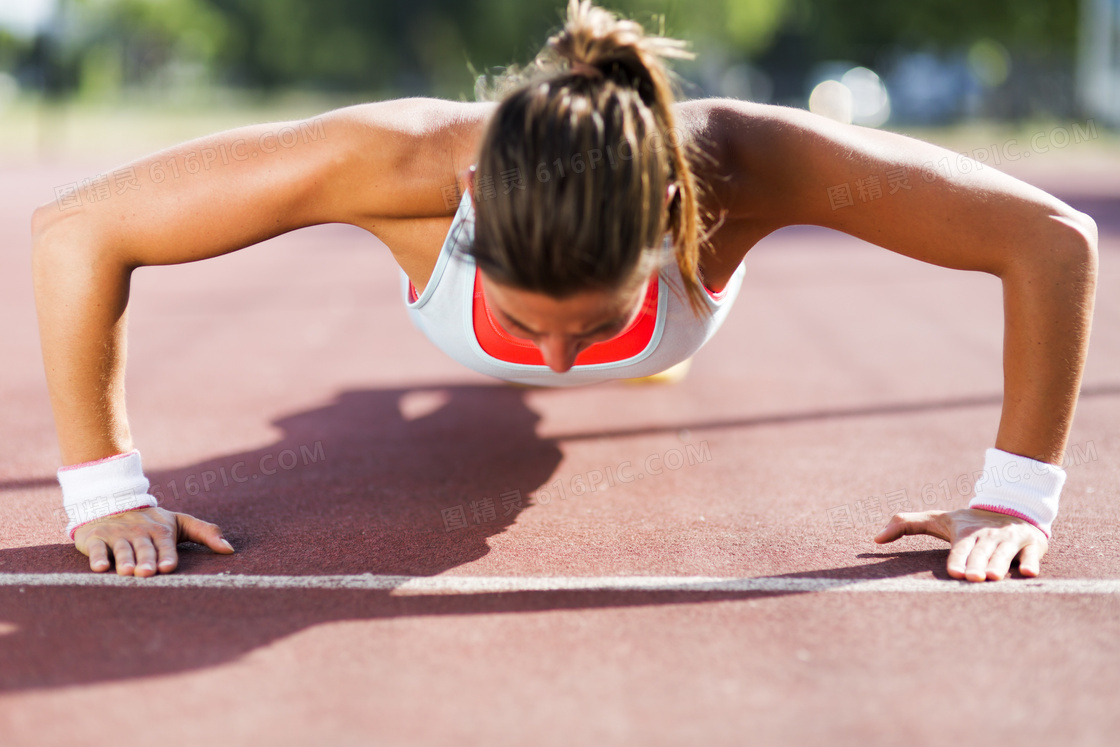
573 169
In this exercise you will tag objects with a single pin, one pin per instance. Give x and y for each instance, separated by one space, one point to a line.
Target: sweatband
1019 486
109 486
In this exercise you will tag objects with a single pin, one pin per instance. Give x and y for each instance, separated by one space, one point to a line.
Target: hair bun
599 44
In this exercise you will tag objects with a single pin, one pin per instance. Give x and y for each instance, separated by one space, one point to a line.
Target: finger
122 553
204 533
98 555
165 549
1029 559
915 523
958 555
976 569
895 528
1000 562
145 557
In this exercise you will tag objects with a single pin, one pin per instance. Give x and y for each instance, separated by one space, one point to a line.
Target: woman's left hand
982 543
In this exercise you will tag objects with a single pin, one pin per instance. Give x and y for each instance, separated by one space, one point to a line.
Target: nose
559 352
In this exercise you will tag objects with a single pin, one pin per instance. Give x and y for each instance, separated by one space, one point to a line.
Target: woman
601 220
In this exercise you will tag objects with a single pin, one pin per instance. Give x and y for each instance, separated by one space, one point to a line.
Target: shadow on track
357 486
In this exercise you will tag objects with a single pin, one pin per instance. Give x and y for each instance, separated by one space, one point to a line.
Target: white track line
500 584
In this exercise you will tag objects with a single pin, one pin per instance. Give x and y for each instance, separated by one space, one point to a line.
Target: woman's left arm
787 166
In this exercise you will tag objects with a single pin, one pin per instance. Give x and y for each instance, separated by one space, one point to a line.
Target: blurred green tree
433 45
840 29
114 44
437 46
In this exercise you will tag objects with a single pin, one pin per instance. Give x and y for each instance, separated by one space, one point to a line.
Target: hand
983 543
143 540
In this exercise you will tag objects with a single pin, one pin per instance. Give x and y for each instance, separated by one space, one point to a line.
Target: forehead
572 314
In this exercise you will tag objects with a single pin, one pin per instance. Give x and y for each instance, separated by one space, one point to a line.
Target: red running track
282 392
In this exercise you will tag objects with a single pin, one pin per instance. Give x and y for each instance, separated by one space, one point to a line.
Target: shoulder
398 158
778 166
747 153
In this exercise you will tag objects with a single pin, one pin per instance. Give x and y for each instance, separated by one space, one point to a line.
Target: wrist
1019 486
95 490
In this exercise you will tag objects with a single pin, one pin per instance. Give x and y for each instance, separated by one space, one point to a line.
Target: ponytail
589 127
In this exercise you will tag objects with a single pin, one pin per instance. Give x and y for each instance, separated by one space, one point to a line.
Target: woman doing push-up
600 234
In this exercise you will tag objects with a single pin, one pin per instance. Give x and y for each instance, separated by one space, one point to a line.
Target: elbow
1084 225
47 225
1090 228
1085 252
1075 249
1061 245
1070 262
41 222
59 239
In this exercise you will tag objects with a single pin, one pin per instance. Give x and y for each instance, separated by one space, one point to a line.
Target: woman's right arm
362 165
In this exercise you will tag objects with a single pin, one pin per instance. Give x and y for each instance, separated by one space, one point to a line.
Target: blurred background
133 74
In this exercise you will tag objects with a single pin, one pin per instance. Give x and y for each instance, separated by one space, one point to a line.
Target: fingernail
227 545
145 567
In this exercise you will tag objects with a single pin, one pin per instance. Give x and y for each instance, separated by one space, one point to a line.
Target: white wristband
94 490
1019 486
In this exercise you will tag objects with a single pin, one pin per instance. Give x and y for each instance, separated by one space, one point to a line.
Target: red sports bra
498 343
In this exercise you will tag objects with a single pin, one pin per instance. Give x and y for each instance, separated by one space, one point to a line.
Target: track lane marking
506 584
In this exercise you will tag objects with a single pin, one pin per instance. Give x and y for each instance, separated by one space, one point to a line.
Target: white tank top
448 312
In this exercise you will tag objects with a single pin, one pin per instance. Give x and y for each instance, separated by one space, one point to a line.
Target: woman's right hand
144 540
377 166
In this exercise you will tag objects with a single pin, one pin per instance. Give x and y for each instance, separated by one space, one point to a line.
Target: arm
783 162
360 165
